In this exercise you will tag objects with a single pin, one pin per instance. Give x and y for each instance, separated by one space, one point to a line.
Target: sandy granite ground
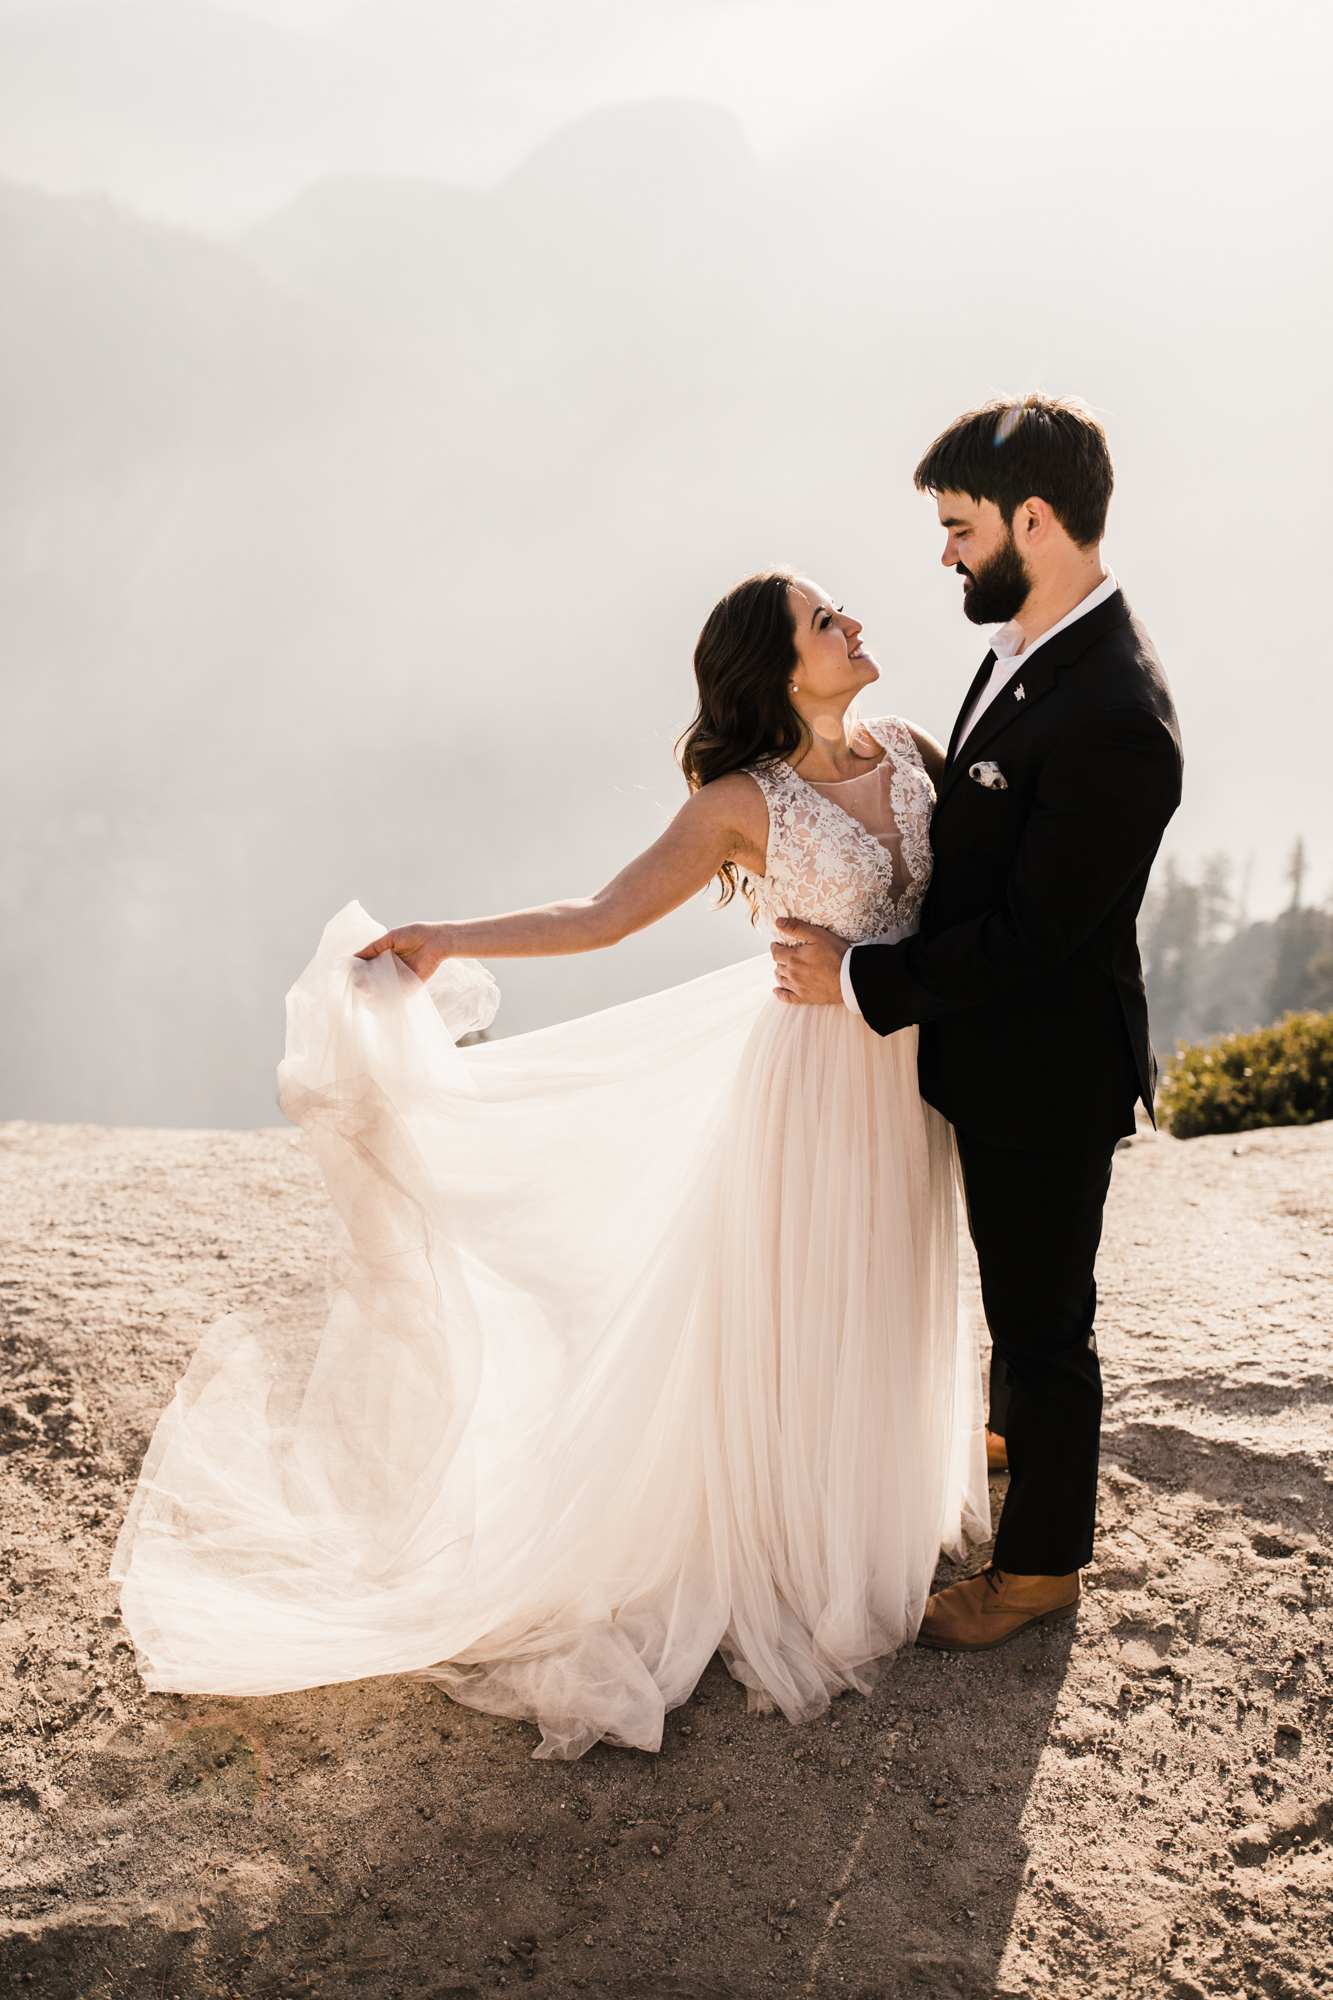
1141 1803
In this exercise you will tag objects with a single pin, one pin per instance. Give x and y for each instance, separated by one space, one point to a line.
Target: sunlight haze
390 389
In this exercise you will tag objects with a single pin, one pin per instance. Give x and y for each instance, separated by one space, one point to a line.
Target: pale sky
379 79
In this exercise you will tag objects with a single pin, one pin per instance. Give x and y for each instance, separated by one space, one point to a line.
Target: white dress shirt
1012 651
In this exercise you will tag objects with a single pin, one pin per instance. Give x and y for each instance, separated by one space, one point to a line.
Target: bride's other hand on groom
424 947
809 969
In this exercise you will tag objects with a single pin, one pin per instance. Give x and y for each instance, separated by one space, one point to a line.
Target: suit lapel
1028 686
1017 698
982 676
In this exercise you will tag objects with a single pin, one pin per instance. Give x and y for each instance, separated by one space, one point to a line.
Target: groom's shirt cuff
849 999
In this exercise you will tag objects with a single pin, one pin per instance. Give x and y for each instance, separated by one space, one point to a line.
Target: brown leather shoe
997 1453
987 1609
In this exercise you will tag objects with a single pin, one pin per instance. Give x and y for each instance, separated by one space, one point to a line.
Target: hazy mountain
290 616
599 248
363 552
197 109
124 339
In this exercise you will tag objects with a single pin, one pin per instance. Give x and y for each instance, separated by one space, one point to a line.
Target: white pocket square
989 775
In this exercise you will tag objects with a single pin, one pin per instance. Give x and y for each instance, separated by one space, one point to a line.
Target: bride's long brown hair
743 666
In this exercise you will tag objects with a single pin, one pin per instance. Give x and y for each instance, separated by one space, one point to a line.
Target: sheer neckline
820 784
833 784
818 789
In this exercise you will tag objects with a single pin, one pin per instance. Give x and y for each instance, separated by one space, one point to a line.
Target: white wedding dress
643 1342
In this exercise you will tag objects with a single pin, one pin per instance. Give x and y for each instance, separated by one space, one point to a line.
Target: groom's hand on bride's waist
809 967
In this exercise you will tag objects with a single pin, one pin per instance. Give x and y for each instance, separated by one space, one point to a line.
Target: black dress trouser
1036 1222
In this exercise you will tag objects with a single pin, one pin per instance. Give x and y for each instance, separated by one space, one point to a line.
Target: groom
1062 771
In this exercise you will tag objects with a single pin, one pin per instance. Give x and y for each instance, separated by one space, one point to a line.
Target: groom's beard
997 590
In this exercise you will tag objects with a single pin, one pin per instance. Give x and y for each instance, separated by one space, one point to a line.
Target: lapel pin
1020 692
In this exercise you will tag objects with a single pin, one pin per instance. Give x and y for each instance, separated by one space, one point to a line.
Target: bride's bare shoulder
735 798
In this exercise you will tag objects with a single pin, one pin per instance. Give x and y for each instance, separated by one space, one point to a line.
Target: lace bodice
824 867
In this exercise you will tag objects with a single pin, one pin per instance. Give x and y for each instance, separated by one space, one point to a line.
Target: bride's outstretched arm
725 821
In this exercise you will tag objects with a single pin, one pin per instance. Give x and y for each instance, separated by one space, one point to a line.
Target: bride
643 1337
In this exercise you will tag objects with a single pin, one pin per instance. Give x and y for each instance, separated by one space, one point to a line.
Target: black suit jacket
1025 976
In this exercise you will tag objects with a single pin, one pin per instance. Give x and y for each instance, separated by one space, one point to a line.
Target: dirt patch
1140 1802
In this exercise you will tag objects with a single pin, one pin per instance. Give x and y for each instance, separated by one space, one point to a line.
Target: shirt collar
1009 643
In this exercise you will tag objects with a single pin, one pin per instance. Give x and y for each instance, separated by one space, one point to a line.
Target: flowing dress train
643 1341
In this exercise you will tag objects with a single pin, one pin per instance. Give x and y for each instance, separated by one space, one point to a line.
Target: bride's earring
793 687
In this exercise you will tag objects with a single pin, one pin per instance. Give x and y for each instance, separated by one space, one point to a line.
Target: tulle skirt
643 1342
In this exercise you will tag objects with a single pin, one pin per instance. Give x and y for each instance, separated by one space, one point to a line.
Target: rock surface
1141 1802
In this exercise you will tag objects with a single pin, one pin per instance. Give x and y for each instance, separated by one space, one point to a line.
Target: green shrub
1281 1075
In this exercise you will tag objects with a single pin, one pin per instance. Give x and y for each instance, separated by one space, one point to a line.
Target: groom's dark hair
1047 448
